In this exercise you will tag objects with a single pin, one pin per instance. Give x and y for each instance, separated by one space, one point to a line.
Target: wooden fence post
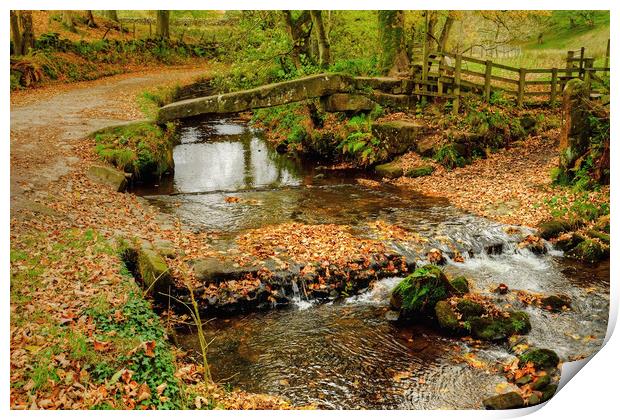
487 80
521 92
606 58
554 85
582 52
456 91
439 82
569 63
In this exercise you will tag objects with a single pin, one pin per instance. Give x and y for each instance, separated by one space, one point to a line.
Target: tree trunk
90 19
321 35
22 32
431 41
112 15
299 33
445 33
16 33
67 20
392 40
163 24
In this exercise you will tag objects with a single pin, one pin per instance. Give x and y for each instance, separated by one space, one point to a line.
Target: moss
540 358
553 228
420 291
595 234
389 170
500 328
143 149
419 171
469 308
460 284
447 317
590 251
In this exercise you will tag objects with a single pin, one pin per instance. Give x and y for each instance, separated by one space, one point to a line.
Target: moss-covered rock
568 241
469 309
389 170
540 358
548 392
447 317
153 270
109 176
460 284
602 224
541 382
553 228
418 171
419 292
506 401
589 250
602 236
500 328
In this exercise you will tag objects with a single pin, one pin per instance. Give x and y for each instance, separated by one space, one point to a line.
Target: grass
143 149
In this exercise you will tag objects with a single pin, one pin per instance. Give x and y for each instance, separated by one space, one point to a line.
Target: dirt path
45 124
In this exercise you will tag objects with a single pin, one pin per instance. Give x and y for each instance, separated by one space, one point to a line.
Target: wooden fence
447 75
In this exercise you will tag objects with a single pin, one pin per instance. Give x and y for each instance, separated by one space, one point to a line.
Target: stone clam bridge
338 93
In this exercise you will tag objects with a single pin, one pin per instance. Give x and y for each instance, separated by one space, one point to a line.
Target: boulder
540 358
389 170
154 271
109 176
427 146
395 102
548 392
447 317
589 250
418 171
397 137
555 303
214 270
392 85
460 284
435 256
506 401
500 328
541 382
341 102
420 291
602 236
534 244
568 241
553 228
165 248
469 309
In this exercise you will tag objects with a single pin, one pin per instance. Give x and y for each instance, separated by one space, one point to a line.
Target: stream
346 354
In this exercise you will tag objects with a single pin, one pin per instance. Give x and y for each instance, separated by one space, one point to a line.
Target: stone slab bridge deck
338 93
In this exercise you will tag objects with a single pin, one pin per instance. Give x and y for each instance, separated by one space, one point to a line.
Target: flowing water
345 354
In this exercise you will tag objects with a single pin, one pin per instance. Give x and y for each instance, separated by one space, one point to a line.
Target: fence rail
446 74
